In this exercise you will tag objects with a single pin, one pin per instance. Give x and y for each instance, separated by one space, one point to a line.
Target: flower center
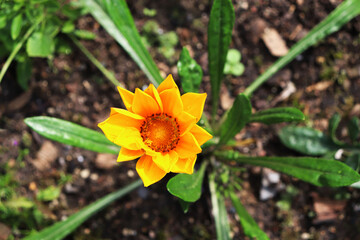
160 132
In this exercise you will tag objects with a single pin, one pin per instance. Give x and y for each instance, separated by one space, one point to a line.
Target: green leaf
233 56
61 229
353 129
251 229
187 186
318 171
333 125
71 134
16 26
68 27
184 205
48 194
278 115
40 45
3 20
236 119
23 72
20 202
83 34
219 210
332 23
220 27
306 140
189 71
236 69
115 17
353 161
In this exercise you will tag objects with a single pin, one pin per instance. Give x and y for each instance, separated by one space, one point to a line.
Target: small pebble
85 173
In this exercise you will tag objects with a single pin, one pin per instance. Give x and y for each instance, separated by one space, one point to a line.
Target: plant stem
18 46
109 75
341 15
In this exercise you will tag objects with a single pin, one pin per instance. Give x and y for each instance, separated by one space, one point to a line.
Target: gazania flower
159 126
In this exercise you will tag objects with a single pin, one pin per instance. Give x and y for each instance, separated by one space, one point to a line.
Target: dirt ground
323 80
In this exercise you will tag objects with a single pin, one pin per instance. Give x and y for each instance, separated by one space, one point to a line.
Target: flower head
159 126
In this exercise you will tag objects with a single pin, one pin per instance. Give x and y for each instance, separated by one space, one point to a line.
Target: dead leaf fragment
45 156
320 86
274 42
5 231
105 161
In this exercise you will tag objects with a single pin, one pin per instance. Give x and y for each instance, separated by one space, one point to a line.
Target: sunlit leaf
16 26
40 45
71 134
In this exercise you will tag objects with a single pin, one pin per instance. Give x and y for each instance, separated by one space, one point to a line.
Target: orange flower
159 126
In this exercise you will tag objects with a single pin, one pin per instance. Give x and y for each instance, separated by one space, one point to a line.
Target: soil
326 80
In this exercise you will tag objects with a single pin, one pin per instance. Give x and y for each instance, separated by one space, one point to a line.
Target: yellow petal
168 83
166 161
129 138
187 146
151 90
144 104
200 134
194 103
186 122
127 154
119 119
184 165
127 97
172 102
148 171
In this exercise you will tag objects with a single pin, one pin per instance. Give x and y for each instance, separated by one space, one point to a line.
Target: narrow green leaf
353 161
236 119
278 115
115 17
23 72
61 229
187 186
332 23
219 211
40 45
48 194
71 134
220 27
68 27
333 125
306 140
318 171
251 229
84 34
16 26
353 129
189 71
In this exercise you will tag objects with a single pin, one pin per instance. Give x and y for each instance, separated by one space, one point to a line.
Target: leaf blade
277 115
220 27
60 230
236 119
71 134
317 171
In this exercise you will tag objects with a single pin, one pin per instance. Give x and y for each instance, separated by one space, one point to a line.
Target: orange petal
168 83
144 104
127 154
166 161
148 171
129 138
151 90
186 122
119 119
172 102
187 146
194 103
127 97
201 135
184 165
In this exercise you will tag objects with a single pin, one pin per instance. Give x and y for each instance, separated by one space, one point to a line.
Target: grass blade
115 17
332 23
60 230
